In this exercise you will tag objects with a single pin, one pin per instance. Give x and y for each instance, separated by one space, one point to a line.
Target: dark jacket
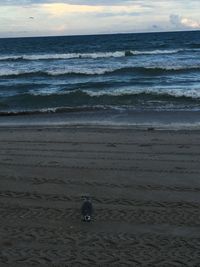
87 208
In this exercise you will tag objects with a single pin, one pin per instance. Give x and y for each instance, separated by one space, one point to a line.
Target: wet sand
145 186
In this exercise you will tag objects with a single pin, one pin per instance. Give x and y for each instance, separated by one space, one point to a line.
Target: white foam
64 56
96 71
4 58
175 92
94 55
157 52
6 72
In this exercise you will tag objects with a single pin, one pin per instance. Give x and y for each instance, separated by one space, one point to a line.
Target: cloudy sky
69 17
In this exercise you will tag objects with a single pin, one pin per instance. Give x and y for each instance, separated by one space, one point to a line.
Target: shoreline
160 120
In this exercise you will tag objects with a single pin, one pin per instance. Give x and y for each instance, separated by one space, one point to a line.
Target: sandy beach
144 185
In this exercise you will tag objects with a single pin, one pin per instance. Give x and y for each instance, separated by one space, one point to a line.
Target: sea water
153 72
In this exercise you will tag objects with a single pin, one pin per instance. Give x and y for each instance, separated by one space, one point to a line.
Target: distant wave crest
151 93
94 55
103 71
118 93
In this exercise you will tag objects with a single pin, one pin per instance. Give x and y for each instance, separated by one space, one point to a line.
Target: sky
20 18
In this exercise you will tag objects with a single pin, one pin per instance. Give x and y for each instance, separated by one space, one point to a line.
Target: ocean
153 72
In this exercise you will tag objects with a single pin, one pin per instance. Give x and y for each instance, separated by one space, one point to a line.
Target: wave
101 71
53 110
95 55
154 70
162 93
118 93
63 56
85 101
14 74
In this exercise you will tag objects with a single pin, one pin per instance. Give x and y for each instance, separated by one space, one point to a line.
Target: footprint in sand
111 145
7 160
53 162
183 146
75 144
145 145
7 243
180 168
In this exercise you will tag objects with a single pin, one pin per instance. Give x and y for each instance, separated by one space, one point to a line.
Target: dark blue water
154 71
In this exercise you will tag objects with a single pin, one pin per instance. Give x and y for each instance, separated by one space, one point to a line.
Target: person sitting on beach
87 209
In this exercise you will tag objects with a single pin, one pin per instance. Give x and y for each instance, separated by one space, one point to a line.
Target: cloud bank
68 17
72 2
184 22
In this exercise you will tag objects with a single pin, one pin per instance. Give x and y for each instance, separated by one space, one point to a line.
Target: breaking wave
118 93
102 71
88 100
95 55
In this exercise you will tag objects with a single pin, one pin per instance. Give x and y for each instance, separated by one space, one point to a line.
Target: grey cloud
145 3
175 20
117 14
75 2
184 22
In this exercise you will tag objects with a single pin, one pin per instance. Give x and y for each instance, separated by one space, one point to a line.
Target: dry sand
145 187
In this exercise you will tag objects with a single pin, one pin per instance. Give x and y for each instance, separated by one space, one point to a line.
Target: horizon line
100 34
